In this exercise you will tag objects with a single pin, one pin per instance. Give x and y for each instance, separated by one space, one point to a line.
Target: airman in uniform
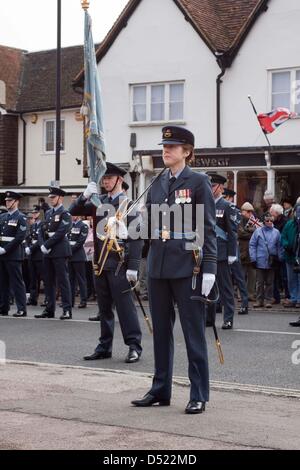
35 256
237 268
77 238
176 272
227 250
56 249
13 226
112 284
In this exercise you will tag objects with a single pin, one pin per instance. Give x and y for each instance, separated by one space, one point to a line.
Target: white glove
44 250
90 190
208 281
117 228
232 259
2 251
28 251
131 275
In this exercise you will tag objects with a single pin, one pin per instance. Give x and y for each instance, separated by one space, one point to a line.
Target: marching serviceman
118 269
56 249
174 269
33 251
77 238
12 234
227 250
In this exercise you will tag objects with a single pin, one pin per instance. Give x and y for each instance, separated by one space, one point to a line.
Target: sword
147 319
218 345
208 301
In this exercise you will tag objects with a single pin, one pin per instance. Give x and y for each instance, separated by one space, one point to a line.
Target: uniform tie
171 181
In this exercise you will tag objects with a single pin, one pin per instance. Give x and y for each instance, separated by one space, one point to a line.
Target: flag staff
58 94
255 112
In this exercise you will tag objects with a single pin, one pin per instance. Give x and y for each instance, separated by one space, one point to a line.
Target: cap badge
168 134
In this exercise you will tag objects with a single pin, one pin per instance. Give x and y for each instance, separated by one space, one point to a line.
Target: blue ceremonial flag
93 110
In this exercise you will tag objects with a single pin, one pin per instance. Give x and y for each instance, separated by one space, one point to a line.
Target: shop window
251 187
287 185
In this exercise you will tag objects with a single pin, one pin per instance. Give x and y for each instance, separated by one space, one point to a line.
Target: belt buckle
165 235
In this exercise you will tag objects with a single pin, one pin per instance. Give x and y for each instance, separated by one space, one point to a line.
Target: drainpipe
219 82
24 151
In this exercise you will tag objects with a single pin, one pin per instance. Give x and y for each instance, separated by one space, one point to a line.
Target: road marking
216 385
268 332
49 319
116 319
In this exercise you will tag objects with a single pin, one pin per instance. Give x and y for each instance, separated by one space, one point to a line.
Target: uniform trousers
57 274
78 274
36 275
11 279
162 295
110 291
239 278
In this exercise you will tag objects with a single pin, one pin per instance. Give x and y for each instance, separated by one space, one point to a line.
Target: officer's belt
221 234
72 243
169 235
6 239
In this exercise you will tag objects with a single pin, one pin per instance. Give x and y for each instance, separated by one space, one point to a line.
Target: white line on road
268 332
91 322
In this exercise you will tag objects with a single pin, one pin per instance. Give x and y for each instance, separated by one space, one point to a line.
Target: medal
189 199
182 196
177 197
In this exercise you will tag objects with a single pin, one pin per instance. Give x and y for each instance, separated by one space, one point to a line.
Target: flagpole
256 114
58 93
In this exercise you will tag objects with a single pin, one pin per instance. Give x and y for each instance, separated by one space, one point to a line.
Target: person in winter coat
289 242
264 243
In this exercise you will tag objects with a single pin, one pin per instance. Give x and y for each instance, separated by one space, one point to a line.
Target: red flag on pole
270 121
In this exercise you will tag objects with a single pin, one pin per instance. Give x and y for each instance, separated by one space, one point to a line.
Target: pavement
46 406
51 399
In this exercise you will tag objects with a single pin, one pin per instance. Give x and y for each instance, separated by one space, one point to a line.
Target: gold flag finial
85 4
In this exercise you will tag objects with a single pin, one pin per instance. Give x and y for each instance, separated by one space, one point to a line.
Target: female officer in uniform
171 264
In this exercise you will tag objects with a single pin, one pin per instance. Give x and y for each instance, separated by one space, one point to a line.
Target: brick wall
8 150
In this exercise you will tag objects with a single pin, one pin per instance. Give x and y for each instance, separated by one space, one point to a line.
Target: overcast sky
31 24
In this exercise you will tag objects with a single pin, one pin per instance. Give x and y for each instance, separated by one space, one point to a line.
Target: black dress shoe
67 315
20 313
82 305
243 311
195 407
96 318
4 314
295 323
98 355
149 400
31 302
227 325
44 314
132 356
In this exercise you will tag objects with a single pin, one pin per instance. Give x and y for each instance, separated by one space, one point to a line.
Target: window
159 102
50 133
176 101
251 188
139 103
286 90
